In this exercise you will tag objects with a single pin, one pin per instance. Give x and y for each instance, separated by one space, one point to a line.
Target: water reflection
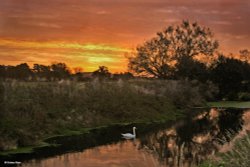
191 141
184 144
123 154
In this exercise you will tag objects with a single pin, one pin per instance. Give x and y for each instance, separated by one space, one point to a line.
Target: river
183 144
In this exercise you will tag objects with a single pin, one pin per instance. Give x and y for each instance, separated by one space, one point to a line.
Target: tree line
55 72
24 72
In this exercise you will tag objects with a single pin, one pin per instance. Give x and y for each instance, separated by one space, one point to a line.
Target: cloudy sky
89 33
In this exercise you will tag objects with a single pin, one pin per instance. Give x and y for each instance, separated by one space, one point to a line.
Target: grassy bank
31 112
230 104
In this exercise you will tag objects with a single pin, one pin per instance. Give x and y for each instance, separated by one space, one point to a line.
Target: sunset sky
89 33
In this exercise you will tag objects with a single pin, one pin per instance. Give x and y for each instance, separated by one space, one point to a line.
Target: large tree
159 56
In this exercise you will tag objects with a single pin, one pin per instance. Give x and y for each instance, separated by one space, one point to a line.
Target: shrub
244 96
183 93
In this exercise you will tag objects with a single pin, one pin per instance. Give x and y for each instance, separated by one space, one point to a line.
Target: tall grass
238 156
182 93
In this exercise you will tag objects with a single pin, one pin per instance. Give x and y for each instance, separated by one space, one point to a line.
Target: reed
238 156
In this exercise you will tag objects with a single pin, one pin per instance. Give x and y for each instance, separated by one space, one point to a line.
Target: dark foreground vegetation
31 111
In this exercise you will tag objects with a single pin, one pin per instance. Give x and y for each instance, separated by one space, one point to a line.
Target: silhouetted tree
42 71
231 75
102 72
187 67
158 56
22 71
60 70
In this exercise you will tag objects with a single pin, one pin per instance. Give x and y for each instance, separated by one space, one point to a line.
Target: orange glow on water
124 154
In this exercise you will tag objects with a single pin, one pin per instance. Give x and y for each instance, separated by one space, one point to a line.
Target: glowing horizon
88 52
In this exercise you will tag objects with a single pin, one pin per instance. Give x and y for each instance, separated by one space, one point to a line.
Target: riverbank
32 112
230 104
81 139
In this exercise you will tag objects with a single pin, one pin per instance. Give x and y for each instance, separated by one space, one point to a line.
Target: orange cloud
90 56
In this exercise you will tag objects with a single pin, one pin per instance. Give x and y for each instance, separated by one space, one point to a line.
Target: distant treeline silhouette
230 75
54 72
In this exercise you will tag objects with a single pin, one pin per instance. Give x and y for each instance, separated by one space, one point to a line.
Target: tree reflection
193 140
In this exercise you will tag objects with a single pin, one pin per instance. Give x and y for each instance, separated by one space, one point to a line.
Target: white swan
129 135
